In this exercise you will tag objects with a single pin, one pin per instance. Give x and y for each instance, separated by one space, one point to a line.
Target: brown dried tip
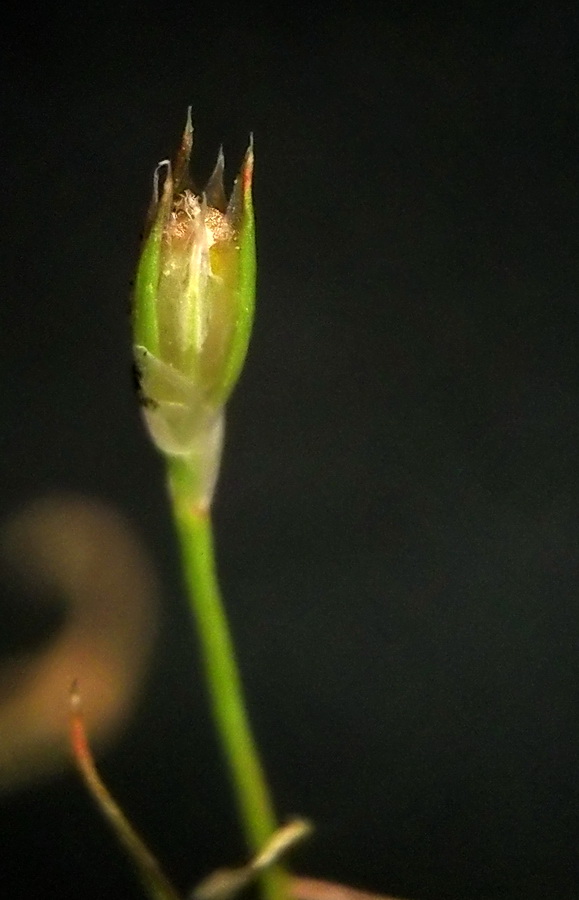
241 194
214 189
181 168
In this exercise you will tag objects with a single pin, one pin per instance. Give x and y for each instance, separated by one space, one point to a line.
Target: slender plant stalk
194 531
154 880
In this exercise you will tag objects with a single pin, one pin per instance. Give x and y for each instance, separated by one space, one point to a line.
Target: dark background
397 516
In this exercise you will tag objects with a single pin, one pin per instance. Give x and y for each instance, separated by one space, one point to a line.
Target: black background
397 516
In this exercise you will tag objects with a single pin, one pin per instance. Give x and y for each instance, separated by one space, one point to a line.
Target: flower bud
193 306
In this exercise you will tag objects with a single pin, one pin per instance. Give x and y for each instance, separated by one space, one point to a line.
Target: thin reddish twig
152 876
316 889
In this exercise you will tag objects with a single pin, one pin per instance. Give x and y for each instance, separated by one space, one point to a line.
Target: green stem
193 525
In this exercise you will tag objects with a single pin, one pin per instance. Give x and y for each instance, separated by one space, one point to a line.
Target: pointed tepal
240 215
